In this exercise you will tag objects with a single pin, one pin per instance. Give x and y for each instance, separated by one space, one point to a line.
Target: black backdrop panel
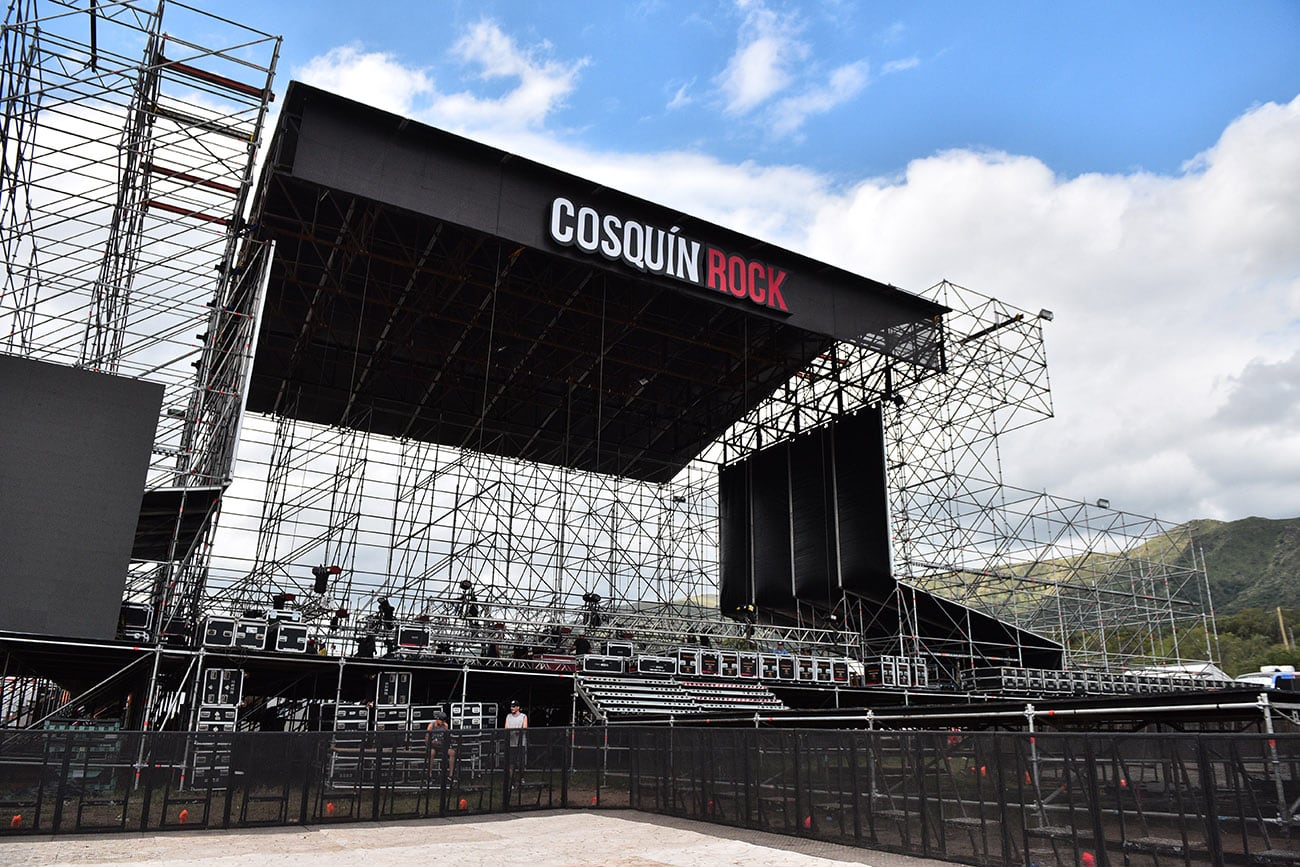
812 468
861 505
74 453
735 587
773 585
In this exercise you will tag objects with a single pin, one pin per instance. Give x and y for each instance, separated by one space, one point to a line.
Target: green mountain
1251 563
1254 569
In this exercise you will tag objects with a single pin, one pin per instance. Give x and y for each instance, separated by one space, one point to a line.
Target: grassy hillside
1252 563
1254 568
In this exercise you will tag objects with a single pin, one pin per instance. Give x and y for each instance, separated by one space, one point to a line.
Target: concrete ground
548 839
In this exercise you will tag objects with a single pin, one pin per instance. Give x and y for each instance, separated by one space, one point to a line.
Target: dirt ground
547 839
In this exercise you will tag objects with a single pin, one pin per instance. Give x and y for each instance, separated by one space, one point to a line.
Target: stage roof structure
426 286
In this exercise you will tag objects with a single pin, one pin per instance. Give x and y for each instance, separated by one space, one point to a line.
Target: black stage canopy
430 287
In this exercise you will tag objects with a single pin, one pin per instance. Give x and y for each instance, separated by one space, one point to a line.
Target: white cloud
1264 395
844 84
902 65
770 61
682 97
1176 305
375 78
542 87
759 68
380 80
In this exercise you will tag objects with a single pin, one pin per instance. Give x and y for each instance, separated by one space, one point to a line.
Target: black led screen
74 453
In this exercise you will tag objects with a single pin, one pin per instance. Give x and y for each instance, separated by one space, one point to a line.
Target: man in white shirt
516 741
516 719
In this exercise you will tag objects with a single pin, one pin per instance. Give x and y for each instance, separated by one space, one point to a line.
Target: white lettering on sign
655 250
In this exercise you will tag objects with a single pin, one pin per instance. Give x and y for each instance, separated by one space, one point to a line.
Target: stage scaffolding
417 524
128 155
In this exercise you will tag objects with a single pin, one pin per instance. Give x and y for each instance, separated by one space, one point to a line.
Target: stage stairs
722 696
615 696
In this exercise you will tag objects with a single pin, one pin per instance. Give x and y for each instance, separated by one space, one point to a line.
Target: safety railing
978 798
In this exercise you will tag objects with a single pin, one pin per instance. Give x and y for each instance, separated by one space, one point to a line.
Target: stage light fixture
591 614
1103 504
322 575
1046 314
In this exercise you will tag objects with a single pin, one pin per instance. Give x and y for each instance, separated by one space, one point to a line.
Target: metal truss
1115 590
128 156
412 522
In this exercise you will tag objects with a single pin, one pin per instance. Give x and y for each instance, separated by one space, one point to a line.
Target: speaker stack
222 691
472 716
393 701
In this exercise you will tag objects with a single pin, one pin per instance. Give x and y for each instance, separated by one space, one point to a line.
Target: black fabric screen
735 579
773 586
812 483
861 506
805 521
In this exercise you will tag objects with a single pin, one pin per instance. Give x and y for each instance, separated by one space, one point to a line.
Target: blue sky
1134 167
1097 87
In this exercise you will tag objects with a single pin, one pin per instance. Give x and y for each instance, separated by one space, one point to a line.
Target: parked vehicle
1281 677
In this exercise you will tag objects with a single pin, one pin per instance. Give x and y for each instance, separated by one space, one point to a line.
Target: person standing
516 726
516 719
436 739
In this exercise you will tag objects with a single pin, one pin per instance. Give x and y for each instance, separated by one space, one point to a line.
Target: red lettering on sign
715 275
736 276
757 282
774 280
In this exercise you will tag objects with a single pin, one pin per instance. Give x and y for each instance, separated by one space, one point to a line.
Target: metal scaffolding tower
128 156
1115 590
